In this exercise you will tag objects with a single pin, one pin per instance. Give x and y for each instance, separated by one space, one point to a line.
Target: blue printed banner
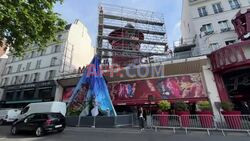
91 97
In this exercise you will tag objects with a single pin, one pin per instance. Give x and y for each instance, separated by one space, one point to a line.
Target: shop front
149 92
180 80
130 88
231 68
19 96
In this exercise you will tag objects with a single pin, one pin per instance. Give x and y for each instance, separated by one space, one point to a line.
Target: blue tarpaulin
97 88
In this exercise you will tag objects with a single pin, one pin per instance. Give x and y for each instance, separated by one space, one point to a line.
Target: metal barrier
202 122
234 123
199 122
186 122
166 121
124 120
100 121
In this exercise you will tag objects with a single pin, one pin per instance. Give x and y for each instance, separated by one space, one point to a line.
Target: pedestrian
245 108
108 112
141 116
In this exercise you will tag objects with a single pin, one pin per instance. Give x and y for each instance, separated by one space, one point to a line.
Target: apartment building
32 77
3 61
208 23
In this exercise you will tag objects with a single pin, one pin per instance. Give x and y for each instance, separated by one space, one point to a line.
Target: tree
27 22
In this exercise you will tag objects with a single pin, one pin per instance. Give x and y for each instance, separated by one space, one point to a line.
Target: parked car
43 107
8 115
39 123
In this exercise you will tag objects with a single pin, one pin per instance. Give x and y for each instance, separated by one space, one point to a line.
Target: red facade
228 59
242 24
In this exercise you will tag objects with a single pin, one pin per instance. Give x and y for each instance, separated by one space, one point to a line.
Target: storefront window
238 84
18 95
29 94
10 96
45 94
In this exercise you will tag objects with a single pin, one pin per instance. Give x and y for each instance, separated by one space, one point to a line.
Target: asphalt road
122 134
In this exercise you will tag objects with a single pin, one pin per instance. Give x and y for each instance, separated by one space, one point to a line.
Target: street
122 134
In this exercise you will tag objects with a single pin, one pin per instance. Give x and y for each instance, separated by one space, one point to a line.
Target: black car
39 123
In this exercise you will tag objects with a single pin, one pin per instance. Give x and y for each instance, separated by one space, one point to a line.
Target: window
16 79
5 81
224 26
27 55
214 46
26 78
10 96
45 94
25 110
10 59
29 94
13 80
59 37
230 42
217 8
234 4
202 11
18 95
55 49
207 29
19 80
38 64
42 52
33 54
28 66
36 77
53 61
50 75
9 70
19 68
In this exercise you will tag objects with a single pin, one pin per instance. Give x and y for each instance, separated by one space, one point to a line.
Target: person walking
141 116
245 108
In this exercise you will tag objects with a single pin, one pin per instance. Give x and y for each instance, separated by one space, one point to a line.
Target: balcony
184 45
192 2
226 29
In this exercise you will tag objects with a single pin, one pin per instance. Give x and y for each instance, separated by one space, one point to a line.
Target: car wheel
39 131
1 122
13 130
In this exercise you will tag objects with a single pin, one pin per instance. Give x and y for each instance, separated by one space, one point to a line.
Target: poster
91 92
67 92
174 87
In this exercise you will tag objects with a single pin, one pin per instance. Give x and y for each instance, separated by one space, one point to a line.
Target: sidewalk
136 130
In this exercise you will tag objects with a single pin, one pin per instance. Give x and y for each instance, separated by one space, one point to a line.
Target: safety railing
234 123
202 122
100 121
163 121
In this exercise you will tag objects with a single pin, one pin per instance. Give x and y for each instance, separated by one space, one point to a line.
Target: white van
8 115
43 107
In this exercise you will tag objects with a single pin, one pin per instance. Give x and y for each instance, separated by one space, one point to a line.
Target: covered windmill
126 38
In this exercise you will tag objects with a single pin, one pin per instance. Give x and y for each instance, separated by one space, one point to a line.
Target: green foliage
28 22
204 105
164 105
180 106
227 106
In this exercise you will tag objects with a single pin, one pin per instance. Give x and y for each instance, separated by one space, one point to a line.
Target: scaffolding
146 33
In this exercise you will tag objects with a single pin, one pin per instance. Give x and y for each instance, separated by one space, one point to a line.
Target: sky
87 12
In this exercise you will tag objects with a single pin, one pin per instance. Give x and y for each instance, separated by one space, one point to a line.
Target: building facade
31 78
220 29
209 23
